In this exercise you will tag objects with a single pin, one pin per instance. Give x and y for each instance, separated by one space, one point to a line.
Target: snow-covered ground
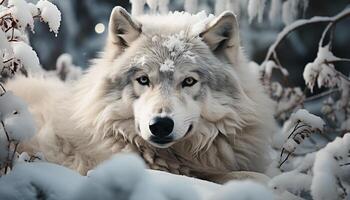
122 177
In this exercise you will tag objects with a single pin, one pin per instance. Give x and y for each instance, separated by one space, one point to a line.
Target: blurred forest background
84 28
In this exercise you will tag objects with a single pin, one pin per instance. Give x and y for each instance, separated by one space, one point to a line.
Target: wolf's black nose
161 126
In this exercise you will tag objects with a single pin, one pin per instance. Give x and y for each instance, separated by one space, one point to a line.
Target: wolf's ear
122 28
222 35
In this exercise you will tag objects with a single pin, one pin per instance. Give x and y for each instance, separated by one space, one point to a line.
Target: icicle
261 10
163 6
289 11
305 5
220 6
253 9
153 5
275 10
137 7
191 6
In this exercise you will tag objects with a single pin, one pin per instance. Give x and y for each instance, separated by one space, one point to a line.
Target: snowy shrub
15 17
17 123
307 166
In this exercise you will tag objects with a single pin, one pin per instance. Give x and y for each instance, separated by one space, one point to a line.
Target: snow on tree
66 70
307 165
17 123
15 17
50 14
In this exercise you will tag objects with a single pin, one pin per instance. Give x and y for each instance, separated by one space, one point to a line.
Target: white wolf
176 89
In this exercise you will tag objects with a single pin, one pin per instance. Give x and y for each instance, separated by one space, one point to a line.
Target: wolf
176 89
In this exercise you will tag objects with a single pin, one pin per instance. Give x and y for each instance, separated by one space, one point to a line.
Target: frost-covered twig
17 124
15 17
304 124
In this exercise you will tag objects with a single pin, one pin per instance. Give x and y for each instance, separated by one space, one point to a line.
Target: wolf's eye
188 82
143 80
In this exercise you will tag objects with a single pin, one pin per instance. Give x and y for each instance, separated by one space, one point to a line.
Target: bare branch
323 94
337 60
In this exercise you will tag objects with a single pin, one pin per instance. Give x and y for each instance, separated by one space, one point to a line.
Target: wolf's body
84 123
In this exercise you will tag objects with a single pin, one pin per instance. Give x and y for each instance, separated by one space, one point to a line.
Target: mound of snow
122 177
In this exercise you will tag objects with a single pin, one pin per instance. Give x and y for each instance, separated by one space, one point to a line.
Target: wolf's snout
161 126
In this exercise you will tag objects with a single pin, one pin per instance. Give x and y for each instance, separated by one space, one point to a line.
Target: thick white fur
79 127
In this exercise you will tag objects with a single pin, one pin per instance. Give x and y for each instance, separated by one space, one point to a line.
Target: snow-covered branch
16 54
303 22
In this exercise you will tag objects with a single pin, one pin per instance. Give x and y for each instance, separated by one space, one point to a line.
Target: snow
288 29
27 57
50 14
243 190
200 26
16 117
307 162
167 66
21 11
123 176
33 9
175 42
269 66
312 120
324 182
26 178
345 126
253 9
66 69
320 71
153 5
275 10
137 7
191 6
277 89
155 38
5 48
220 6
163 6
324 54
234 6
293 181
326 76
310 74
290 145
289 11
256 9
4 44
261 10
3 147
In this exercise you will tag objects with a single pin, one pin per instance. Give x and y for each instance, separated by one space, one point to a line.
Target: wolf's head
172 76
